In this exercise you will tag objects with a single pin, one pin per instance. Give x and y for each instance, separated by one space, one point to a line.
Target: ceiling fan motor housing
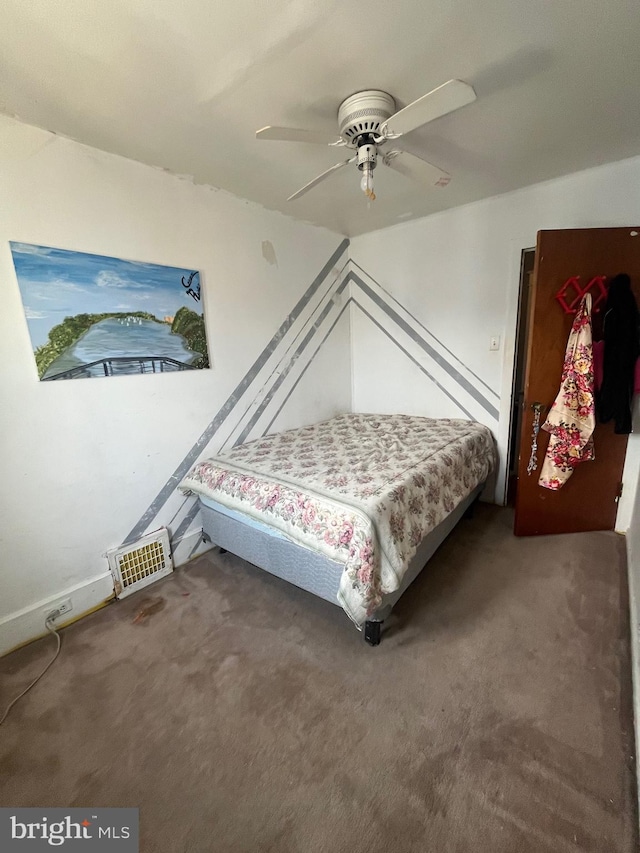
363 114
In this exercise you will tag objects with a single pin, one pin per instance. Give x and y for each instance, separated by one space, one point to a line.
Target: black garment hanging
621 349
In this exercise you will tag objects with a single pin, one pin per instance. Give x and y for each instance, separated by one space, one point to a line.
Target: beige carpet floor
242 715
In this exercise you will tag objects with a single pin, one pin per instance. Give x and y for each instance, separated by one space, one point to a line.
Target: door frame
520 307
517 246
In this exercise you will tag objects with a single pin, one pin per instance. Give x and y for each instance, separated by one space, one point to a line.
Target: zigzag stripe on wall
411 358
391 301
260 397
400 325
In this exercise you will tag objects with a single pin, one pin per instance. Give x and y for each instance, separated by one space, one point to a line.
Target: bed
350 509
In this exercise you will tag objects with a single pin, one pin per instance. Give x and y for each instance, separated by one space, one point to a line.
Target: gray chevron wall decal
262 394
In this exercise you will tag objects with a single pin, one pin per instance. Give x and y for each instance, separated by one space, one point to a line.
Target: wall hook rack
570 294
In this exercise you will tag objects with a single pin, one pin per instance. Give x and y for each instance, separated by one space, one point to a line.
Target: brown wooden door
588 500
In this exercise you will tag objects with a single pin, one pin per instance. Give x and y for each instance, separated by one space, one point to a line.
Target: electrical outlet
62 607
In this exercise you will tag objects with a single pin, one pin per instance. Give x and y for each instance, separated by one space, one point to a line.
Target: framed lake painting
89 315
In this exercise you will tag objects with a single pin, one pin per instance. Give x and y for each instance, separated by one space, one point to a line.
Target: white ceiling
184 84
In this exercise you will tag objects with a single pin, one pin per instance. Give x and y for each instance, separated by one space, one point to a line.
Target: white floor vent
141 563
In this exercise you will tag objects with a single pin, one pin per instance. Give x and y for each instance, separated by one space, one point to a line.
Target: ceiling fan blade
416 169
294 134
445 99
320 178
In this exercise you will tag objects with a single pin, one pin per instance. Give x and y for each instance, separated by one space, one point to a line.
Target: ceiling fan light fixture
367 160
366 183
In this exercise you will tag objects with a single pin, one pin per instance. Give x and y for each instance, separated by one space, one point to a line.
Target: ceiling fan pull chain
533 459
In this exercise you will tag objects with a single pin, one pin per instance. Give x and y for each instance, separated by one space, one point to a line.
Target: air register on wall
94 316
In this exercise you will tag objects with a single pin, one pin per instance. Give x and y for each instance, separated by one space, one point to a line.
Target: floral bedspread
362 489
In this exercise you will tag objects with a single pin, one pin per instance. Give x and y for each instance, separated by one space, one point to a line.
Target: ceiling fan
367 121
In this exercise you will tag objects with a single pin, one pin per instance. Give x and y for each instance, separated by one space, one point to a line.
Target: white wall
83 459
457 272
633 568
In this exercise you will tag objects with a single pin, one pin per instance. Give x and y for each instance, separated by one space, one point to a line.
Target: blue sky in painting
56 283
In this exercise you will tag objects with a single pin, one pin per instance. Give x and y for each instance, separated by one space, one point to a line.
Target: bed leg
469 511
372 633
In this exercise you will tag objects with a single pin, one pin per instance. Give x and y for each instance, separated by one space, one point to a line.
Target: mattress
363 490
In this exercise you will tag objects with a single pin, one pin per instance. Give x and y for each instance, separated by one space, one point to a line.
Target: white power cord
50 618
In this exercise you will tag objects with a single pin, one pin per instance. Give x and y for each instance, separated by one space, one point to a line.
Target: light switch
494 343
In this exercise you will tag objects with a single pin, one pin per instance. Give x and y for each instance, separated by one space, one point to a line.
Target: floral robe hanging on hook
571 420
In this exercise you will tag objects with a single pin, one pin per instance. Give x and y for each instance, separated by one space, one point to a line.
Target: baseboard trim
24 626
188 547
